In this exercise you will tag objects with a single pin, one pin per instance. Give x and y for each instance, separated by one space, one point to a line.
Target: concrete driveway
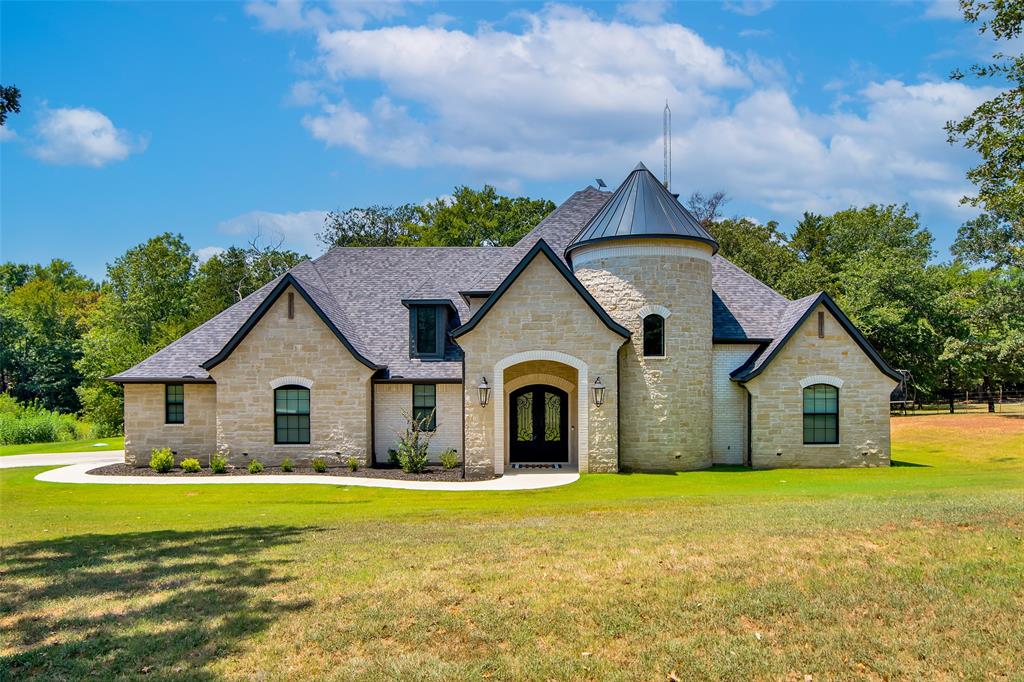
54 459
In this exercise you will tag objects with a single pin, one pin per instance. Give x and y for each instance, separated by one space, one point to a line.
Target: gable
798 346
547 281
312 313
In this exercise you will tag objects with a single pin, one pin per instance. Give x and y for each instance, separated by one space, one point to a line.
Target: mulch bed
433 473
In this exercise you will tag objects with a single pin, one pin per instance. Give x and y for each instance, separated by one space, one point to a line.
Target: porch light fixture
484 390
598 392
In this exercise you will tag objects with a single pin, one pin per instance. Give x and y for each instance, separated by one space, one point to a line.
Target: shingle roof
361 291
641 207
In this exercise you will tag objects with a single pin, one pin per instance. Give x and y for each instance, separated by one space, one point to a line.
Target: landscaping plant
353 463
413 443
191 465
450 458
255 467
286 464
31 423
319 465
162 460
218 464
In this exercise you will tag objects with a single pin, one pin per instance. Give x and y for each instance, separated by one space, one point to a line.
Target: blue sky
218 119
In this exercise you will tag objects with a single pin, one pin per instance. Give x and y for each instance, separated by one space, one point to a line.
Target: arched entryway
538 424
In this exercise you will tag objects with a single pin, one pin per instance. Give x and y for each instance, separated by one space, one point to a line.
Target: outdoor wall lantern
484 390
598 392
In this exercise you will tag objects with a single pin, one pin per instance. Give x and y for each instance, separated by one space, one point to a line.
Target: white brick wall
390 400
729 404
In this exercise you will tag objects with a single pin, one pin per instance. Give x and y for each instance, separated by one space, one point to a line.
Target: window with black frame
821 415
291 415
424 405
174 403
654 336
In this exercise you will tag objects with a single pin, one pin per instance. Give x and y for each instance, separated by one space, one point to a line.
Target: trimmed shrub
191 465
319 465
255 467
413 444
218 464
450 458
286 464
353 463
162 460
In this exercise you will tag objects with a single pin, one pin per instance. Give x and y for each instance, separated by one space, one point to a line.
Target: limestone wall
389 402
306 350
777 401
666 402
543 318
144 427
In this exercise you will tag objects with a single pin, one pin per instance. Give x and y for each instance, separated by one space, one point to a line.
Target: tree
44 311
145 305
989 346
375 225
10 101
469 218
707 210
760 249
228 277
995 129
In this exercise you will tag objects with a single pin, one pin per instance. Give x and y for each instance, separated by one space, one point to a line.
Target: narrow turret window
654 336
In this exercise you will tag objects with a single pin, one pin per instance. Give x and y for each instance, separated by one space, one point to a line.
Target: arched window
821 414
291 415
654 336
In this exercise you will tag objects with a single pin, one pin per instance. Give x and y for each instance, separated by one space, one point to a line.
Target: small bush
319 465
393 457
286 464
413 444
191 465
353 463
450 458
219 464
255 467
162 460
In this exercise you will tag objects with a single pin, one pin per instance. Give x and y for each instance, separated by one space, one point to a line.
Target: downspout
373 424
750 428
618 409
463 415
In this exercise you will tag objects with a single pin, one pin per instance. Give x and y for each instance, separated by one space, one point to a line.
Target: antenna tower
667 139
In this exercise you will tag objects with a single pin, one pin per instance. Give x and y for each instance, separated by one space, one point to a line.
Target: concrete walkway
83 462
96 458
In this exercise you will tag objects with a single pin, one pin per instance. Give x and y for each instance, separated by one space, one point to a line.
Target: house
612 337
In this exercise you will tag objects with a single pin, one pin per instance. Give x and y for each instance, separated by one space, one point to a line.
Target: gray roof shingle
361 291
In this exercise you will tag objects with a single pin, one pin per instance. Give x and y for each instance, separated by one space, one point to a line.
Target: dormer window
427 327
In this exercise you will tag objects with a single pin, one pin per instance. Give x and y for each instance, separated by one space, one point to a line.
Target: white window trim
291 381
653 310
821 379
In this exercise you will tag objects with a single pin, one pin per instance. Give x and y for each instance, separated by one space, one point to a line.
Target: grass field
116 443
909 572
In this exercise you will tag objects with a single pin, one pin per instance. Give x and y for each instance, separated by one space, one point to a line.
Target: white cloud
643 11
296 15
7 134
943 9
207 252
755 33
296 230
747 8
572 96
82 136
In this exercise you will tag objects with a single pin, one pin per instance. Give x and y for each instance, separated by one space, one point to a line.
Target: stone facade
777 401
391 400
666 421
306 350
145 427
540 317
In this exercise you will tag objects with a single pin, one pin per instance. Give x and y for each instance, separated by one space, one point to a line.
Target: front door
539 424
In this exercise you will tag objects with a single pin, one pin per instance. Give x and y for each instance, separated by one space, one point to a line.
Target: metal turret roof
641 207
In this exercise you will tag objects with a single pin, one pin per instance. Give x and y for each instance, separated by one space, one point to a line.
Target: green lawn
116 443
911 572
